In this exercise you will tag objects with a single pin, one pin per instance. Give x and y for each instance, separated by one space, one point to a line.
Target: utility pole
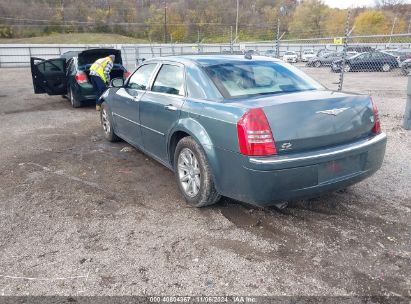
281 12
231 40
277 40
165 21
236 20
345 47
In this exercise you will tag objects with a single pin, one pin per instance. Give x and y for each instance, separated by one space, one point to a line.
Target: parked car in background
360 49
351 54
403 54
251 52
68 75
325 59
307 55
390 52
270 53
290 56
369 61
406 67
285 136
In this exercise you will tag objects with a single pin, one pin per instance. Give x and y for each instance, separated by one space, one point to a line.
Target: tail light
81 77
126 74
377 126
254 134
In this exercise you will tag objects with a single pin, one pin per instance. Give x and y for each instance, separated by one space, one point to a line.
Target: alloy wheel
105 121
189 172
347 68
386 67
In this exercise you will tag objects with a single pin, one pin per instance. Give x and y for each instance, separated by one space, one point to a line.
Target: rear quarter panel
214 126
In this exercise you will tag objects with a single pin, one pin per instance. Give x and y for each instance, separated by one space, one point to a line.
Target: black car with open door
68 75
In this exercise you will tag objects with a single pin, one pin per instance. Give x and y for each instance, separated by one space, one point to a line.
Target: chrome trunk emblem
286 146
334 112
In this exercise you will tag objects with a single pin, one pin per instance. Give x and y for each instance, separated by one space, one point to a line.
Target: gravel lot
81 216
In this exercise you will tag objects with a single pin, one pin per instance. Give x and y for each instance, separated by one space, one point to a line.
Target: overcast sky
352 3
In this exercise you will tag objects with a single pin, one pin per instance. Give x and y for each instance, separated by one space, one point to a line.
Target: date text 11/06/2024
202 299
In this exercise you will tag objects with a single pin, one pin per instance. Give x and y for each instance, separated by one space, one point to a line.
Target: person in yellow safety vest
100 76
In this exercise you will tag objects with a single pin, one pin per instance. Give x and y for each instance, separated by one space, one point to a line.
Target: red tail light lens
254 134
126 74
377 126
81 77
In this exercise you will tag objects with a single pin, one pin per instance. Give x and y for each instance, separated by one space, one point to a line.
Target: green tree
335 21
309 19
372 22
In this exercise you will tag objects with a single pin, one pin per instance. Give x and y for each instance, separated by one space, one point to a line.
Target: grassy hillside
75 38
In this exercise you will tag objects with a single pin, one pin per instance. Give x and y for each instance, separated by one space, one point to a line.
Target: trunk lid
315 119
90 56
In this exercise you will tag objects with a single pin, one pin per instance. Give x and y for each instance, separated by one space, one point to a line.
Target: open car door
49 76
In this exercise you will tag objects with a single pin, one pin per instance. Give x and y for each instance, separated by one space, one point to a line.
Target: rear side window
170 80
140 79
70 68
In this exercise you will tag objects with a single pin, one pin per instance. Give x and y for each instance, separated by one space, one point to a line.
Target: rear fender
194 129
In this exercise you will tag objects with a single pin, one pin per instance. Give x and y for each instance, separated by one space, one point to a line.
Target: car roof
207 60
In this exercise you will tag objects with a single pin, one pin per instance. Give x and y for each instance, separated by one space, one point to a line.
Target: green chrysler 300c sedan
254 129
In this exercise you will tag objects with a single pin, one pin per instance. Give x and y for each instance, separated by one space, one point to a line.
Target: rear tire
193 174
73 100
107 123
347 68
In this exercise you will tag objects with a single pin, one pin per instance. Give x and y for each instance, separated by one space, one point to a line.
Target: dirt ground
82 216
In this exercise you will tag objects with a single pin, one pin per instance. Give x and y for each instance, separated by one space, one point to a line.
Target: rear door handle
170 108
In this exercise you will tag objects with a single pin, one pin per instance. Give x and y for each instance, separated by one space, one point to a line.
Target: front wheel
107 124
193 174
386 67
317 64
347 68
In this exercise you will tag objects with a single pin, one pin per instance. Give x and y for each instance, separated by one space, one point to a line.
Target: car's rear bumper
266 180
84 92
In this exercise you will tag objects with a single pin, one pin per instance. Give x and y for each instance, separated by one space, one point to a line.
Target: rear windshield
240 79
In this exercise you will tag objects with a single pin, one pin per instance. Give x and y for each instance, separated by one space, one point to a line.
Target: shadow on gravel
61 104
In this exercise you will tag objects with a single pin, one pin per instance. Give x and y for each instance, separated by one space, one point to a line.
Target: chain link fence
385 56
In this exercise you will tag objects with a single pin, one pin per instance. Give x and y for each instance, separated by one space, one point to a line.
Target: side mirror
117 83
